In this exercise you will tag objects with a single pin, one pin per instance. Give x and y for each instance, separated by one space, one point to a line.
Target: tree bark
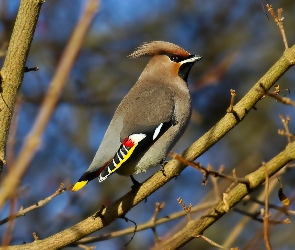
12 72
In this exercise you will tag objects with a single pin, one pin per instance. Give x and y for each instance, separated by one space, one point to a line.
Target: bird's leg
99 213
135 182
135 185
162 165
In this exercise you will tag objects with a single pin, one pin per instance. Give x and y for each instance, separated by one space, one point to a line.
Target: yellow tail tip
79 185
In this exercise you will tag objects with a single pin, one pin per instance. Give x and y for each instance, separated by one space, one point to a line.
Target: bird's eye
174 58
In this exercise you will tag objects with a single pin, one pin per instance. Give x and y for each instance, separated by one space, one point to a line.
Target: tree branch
256 178
12 72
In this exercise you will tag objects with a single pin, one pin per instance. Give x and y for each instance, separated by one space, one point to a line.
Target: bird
150 119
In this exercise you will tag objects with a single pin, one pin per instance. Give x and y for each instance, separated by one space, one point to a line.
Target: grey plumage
156 111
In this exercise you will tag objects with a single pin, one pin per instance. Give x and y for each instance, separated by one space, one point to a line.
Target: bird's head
167 57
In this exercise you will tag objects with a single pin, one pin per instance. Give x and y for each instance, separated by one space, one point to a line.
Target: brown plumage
159 48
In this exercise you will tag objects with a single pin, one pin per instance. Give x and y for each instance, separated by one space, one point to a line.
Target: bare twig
241 224
12 132
211 242
205 171
284 133
10 160
7 235
32 142
262 4
27 69
39 204
85 247
279 21
159 207
144 226
274 94
230 109
185 208
215 182
36 238
266 211
255 241
255 216
232 101
272 206
286 121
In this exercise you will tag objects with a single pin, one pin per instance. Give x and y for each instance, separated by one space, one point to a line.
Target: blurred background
238 42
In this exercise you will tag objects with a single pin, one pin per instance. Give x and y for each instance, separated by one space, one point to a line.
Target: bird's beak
191 59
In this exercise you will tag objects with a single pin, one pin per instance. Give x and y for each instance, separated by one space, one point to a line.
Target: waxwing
151 117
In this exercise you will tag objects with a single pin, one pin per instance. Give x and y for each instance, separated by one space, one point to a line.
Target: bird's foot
136 184
99 213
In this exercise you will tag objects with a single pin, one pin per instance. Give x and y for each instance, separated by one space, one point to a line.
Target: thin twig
39 204
242 223
86 247
159 207
215 182
35 236
279 21
272 206
282 99
286 121
33 140
185 208
230 109
262 4
255 241
205 171
232 101
27 69
281 26
144 226
255 217
266 211
12 132
289 135
10 161
211 242
8 233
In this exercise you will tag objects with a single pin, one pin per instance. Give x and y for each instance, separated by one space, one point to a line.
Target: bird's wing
146 117
145 109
